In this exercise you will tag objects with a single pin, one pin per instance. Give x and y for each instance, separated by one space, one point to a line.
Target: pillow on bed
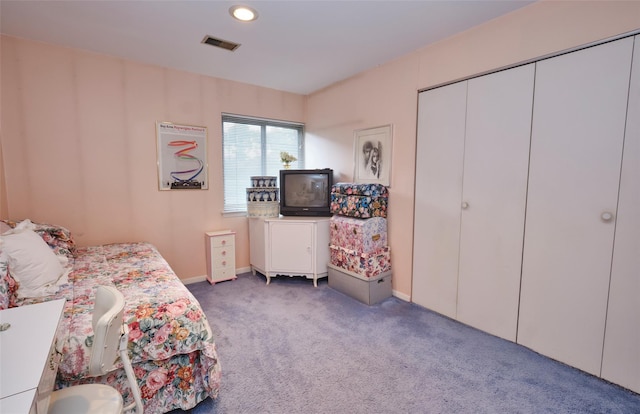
57 237
32 263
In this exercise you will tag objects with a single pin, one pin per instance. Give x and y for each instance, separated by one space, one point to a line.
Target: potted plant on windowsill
287 159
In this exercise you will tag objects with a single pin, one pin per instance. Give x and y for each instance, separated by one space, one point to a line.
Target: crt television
305 192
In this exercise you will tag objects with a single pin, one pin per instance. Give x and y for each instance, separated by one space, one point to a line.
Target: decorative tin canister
263 209
264 181
262 194
263 197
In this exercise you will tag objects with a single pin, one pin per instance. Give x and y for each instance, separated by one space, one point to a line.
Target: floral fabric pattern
367 190
8 287
170 341
360 235
364 264
359 200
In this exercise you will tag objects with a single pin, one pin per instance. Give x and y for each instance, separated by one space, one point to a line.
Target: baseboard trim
241 270
401 296
197 279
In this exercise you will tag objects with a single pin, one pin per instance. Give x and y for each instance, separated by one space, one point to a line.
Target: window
252 146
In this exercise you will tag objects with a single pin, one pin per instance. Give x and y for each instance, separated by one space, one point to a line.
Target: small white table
221 255
28 357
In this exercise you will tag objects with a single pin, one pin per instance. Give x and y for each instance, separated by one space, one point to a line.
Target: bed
171 345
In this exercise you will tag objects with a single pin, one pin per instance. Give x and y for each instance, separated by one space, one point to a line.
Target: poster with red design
182 157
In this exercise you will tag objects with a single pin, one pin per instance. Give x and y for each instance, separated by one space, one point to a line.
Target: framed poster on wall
372 155
182 157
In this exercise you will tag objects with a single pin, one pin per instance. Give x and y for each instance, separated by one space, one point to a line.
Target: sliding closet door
496 162
621 356
576 147
439 156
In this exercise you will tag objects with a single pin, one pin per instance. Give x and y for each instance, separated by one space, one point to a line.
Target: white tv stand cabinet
289 246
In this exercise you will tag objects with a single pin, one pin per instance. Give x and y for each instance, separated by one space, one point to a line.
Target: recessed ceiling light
243 13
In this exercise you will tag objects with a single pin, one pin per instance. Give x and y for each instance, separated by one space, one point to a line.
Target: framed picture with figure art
372 155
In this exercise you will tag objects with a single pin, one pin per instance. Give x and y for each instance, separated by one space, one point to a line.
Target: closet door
439 156
621 356
576 146
496 162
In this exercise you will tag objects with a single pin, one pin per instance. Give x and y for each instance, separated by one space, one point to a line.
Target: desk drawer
47 382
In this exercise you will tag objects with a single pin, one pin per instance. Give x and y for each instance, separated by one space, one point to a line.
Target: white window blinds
252 146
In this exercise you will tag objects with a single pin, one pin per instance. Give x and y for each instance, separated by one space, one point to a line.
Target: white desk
28 358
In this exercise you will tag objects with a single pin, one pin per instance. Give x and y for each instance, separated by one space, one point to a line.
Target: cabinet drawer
222 241
223 257
224 274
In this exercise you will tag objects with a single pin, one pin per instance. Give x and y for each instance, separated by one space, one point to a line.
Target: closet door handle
606 216
465 205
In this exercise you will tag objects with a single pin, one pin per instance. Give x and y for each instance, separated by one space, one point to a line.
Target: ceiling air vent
224 44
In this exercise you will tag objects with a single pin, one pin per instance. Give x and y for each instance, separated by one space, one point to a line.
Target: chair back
108 312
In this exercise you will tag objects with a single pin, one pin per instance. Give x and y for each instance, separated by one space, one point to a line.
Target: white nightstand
221 255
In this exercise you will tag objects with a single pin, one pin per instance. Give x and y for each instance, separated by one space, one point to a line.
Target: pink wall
79 144
3 186
388 94
78 130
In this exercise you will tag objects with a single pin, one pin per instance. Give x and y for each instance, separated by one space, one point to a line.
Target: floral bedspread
170 341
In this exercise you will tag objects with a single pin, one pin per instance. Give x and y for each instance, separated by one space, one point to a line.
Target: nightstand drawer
225 274
223 257
222 241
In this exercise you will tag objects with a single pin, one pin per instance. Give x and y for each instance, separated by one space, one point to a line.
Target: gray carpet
292 348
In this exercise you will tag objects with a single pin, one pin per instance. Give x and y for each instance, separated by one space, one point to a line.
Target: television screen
307 190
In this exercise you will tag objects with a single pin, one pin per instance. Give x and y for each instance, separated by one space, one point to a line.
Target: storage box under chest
360 235
363 264
367 290
359 200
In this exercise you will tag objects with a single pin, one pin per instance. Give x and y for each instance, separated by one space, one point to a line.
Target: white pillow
32 263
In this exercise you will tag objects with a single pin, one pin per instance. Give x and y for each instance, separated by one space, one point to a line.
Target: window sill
234 214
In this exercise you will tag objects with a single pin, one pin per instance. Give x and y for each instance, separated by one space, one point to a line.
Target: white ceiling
296 46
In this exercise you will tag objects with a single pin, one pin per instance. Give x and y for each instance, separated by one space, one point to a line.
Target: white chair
111 336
